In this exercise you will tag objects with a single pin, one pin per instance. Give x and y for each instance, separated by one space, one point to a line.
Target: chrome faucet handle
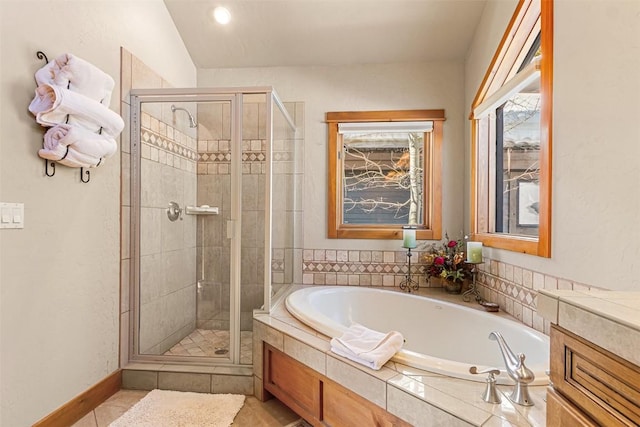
490 394
492 371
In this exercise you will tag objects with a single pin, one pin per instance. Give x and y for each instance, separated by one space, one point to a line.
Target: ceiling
265 33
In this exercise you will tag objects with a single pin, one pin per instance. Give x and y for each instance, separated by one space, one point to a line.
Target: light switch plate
11 215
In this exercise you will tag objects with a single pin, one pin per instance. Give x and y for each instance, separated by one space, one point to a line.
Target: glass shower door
185 215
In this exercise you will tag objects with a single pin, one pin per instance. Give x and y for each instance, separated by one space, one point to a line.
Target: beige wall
361 87
59 276
596 200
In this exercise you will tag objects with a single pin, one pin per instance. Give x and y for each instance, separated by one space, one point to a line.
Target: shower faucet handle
174 211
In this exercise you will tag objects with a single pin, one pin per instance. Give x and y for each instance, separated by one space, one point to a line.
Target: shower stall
213 214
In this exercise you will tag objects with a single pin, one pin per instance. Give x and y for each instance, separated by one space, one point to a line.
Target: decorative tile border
165 137
515 289
358 268
214 157
163 144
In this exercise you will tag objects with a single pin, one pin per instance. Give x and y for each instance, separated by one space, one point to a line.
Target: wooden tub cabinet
317 399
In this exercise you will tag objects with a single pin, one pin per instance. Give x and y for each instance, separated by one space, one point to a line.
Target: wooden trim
384 116
546 129
488 76
432 205
332 184
85 402
526 15
435 184
520 244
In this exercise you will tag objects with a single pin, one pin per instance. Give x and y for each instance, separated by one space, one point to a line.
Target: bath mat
165 408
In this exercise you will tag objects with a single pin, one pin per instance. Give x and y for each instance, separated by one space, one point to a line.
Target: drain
221 351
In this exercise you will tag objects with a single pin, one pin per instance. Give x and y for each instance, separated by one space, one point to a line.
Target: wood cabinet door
603 385
343 408
293 383
561 412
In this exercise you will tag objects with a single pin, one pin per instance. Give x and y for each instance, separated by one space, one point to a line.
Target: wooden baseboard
84 403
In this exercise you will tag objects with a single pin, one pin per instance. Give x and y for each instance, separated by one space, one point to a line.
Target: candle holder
408 284
473 287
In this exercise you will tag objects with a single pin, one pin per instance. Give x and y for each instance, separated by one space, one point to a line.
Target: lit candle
474 252
408 238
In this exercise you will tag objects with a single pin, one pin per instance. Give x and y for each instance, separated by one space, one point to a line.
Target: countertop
609 319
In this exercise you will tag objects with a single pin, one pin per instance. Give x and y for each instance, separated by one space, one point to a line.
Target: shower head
192 121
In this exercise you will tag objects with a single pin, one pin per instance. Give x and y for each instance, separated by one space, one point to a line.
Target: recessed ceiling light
222 15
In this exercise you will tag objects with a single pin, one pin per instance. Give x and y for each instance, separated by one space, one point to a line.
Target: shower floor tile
212 343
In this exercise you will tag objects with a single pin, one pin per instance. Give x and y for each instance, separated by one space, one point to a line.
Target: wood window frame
432 200
529 18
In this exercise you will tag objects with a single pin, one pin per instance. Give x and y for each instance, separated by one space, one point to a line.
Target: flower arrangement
446 260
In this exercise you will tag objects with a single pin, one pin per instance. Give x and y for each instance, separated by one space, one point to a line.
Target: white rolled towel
79 76
76 147
81 140
53 105
367 347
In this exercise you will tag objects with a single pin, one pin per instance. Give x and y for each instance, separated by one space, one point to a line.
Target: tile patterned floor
211 343
254 413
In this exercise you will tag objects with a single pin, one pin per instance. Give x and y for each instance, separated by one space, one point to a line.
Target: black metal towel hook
46 168
82 172
40 54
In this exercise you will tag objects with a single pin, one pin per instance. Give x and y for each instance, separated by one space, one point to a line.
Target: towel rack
41 55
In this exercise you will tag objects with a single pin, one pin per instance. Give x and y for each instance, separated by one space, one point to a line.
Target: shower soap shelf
201 210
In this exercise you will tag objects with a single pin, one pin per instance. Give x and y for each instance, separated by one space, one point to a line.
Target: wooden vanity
595 345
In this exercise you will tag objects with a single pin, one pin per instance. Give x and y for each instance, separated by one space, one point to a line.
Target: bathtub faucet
516 371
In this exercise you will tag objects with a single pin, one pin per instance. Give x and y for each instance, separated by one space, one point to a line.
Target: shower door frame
234 226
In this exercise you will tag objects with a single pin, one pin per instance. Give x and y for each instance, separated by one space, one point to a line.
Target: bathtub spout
516 370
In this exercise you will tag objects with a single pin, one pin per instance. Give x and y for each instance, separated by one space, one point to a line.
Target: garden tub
440 336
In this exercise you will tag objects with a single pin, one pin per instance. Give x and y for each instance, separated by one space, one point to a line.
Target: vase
452 286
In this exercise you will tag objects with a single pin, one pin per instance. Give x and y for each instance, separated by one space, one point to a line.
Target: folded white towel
79 76
80 140
54 105
368 347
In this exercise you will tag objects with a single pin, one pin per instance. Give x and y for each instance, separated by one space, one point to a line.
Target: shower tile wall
167 249
165 165
214 163
213 189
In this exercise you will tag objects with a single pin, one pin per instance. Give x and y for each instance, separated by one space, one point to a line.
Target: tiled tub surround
514 288
421 398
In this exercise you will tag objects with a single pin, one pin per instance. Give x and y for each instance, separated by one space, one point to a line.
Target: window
511 137
384 173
